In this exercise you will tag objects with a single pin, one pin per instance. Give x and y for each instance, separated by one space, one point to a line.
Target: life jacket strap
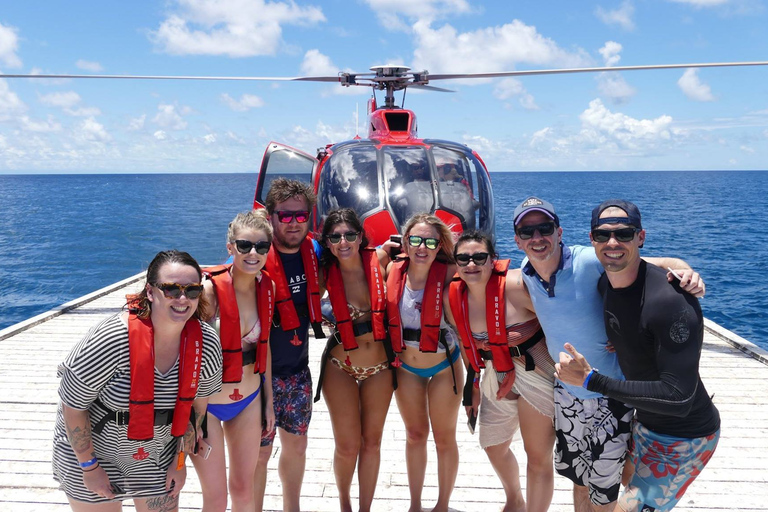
162 417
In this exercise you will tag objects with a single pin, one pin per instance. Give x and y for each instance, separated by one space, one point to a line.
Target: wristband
589 376
88 463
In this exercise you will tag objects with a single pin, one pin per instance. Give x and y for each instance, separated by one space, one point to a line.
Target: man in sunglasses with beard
592 431
292 263
657 331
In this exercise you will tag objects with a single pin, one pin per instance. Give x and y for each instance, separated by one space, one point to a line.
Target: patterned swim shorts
293 405
592 439
664 468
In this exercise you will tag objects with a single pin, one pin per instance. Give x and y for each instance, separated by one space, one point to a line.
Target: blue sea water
63 236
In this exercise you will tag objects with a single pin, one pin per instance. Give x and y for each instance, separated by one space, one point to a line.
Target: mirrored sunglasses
621 235
245 246
285 217
175 290
544 229
335 238
463 259
416 241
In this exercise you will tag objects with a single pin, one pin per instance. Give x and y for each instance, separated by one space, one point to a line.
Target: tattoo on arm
79 438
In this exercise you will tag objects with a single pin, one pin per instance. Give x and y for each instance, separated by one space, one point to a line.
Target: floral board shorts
664 468
592 440
293 405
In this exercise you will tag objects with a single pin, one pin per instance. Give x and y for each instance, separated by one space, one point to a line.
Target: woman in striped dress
129 392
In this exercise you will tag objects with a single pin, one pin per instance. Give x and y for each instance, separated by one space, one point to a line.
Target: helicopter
392 173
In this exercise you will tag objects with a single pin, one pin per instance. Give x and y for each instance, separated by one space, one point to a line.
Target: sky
684 119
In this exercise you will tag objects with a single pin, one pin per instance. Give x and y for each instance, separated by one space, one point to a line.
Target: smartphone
472 421
396 238
204 450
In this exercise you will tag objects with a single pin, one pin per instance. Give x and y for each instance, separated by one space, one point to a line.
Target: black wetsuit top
658 331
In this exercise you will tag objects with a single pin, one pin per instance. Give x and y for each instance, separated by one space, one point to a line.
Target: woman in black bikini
355 386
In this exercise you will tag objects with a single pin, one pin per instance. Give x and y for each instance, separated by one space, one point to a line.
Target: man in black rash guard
657 330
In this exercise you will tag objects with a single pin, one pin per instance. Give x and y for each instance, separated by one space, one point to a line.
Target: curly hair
283 189
444 234
335 217
140 304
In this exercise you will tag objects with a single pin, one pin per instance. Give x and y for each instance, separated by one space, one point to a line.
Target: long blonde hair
444 234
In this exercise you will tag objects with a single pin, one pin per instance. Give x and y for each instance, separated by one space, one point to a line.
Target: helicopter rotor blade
430 88
167 77
502 74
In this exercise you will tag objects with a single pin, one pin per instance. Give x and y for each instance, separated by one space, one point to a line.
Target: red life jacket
229 321
289 319
335 286
431 307
495 312
141 350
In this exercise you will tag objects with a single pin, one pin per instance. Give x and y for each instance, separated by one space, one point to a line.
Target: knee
265 453
539 459
348 448
297 447
240 489
445 439
417 435
371 442
215 501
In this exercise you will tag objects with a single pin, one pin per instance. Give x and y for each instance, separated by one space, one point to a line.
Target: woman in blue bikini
427 351
241 299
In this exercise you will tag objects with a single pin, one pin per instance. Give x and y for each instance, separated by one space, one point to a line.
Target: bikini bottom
225 412
433 370
359 373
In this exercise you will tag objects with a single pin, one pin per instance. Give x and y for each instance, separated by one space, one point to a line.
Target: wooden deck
736 478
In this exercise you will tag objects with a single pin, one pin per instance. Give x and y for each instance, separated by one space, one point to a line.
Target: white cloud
693 87
702 3
137 123
393 14
611 84
10 103
245 103
9 45
317 64
747 149
599 122
31 125
66 99
91 130
508 88
89 65
497 48
621 16
170 117
160 135
209 138
236 28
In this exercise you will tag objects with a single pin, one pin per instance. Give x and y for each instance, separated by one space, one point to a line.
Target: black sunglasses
335 238
416 241
286 217
621 235
527 232
245 246
174 290
463 259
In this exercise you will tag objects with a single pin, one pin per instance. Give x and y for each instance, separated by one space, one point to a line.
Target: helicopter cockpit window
408 181
456 189
350 181
283 161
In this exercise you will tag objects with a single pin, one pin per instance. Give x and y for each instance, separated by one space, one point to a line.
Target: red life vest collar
335 285
431 307
141 349
229 321
289 319
495 313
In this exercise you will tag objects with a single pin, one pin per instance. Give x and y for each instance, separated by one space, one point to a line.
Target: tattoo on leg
163 503
79 439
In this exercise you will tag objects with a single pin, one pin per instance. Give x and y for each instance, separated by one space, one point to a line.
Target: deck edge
67 306
733 339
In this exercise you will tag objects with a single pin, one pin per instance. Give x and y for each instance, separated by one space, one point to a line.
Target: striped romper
98 369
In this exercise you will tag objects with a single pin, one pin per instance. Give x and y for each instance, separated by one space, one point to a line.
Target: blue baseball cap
633 214
534 204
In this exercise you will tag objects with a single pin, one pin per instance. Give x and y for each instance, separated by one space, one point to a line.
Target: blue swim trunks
664 468
293 405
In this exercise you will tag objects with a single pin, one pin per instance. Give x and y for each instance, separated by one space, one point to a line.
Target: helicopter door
283 161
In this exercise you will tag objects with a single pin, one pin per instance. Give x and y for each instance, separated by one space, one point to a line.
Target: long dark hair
140 304
335 217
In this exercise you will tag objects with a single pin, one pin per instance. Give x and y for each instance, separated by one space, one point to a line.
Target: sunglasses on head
245 246
416 241
335 238
463 259
621 235
544 229
285 217
174 290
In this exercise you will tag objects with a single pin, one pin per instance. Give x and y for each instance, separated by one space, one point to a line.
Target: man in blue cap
592 430
657 331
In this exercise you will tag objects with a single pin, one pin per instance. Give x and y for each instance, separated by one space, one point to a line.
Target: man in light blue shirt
592 431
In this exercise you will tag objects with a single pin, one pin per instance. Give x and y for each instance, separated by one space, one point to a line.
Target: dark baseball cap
633 214
534 204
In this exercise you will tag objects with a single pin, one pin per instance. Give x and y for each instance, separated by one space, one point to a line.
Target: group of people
205 360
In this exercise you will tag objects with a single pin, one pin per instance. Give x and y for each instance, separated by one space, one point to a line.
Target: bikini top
356 313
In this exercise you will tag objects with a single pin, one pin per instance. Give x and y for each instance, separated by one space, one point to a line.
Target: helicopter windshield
408 179
350 180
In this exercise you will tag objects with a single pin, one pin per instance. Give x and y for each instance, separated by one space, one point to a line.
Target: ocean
63 236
